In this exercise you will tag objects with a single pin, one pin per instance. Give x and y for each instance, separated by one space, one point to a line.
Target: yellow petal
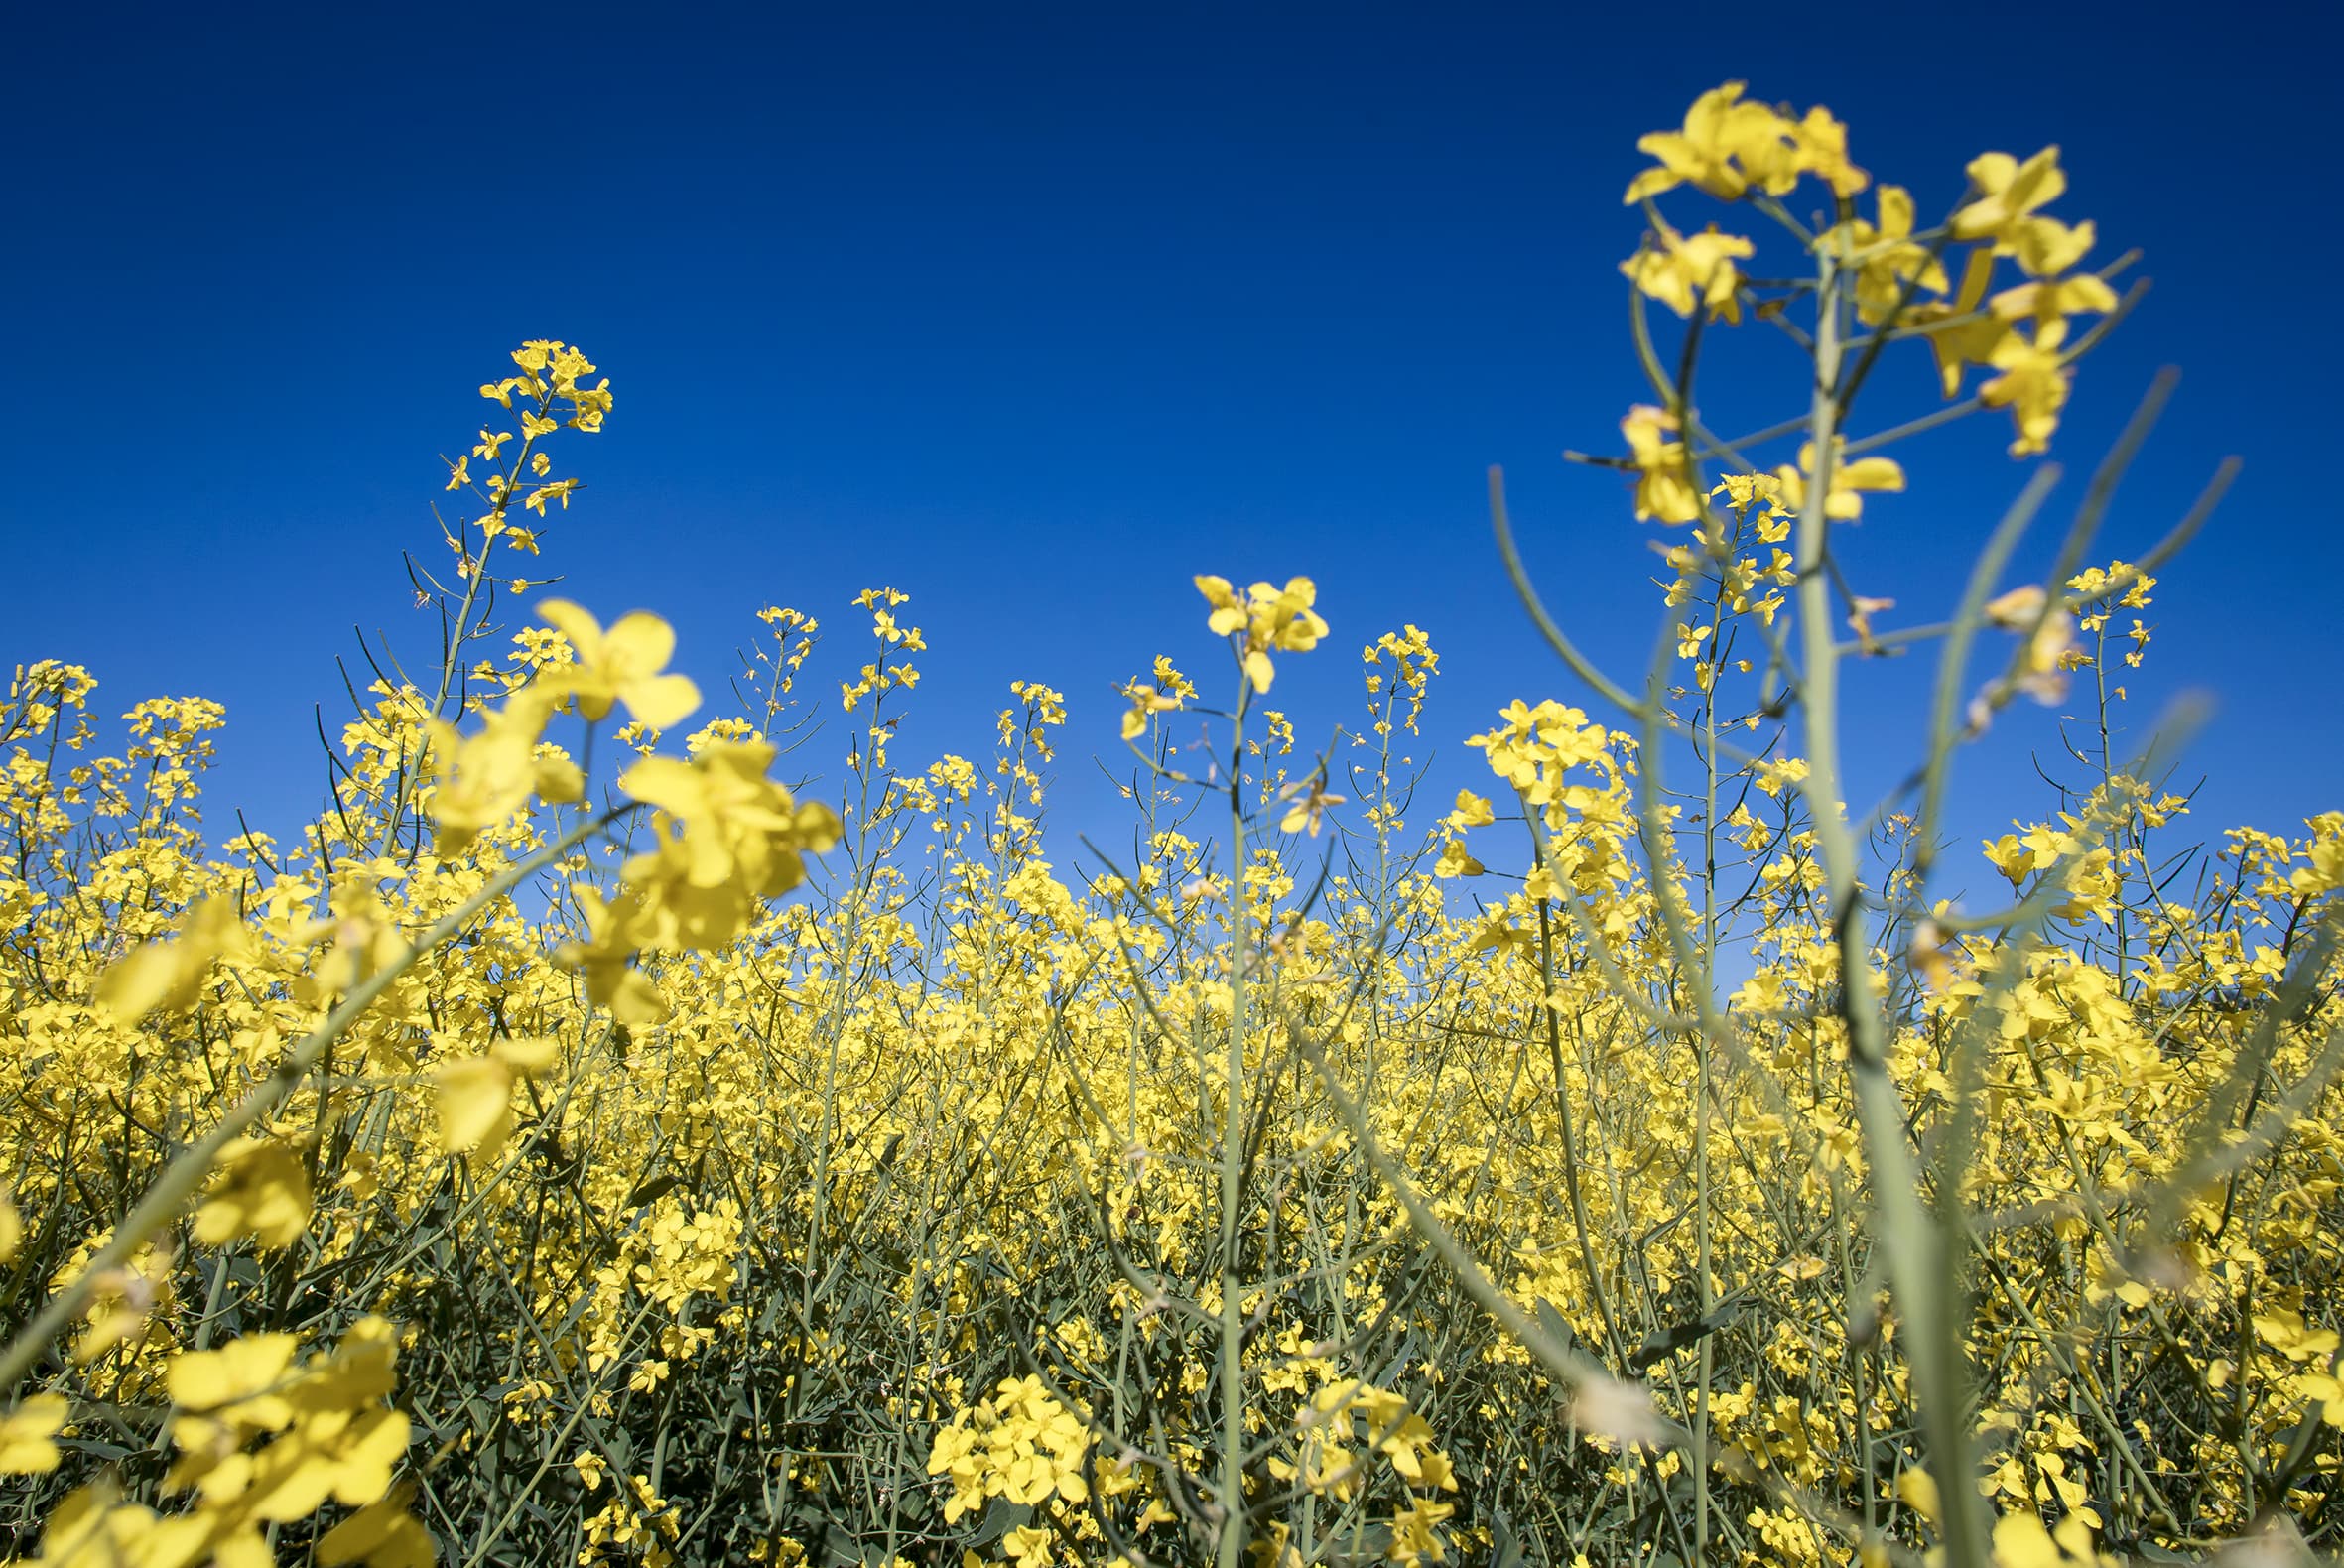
584 632
660 700
1872 474
527 1056
559 780
475 1098
640 644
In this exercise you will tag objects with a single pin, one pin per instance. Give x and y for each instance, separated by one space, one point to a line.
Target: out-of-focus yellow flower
1959 333
263 1193
26 1447
1884 256
2054 300
1849 484
1664 487
482 780
624 664
1820 148
1307 803
2005 211
476 1094
1677 271
1726 147
2033 384
170 974
1145 701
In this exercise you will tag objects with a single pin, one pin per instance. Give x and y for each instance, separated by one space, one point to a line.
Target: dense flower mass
579 1146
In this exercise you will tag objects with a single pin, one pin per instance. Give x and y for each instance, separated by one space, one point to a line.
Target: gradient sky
1035 311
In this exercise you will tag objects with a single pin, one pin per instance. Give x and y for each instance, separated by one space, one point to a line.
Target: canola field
595 1139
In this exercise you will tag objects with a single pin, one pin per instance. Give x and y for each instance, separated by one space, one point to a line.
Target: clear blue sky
1035 312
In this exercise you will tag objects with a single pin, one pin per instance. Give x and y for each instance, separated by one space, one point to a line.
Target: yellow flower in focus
2010 857
2321 873
1456 861
1665 489
623 665
1272 619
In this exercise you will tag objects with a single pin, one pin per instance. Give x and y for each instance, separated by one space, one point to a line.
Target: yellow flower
482 780
25 1433
1726 147
623 665
1308 802
92 1528
2056 299
2033 384
1821 149
1677 271
476 1094
1271 619
1884 256
1664 489
1145 701
264 1193
170 974
382 1534
2009 193
728 837
236 1383
606 958
1849 483
1455 860
1959 333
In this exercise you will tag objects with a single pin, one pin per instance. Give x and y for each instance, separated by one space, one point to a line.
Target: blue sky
1035 312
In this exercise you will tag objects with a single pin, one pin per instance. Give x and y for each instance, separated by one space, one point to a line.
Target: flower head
1271 619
